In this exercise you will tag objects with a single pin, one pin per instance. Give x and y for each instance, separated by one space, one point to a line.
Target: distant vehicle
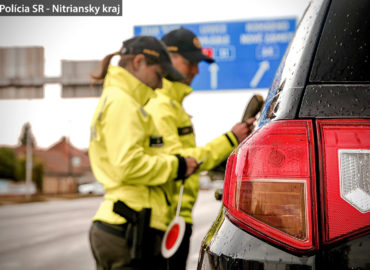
8 187
93 188
297 191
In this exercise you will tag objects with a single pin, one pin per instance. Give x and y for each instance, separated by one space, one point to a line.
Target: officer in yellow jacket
127 156
175 125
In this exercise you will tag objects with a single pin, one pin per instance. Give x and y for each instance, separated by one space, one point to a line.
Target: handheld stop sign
175 231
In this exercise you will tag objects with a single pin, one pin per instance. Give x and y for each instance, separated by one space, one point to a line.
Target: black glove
181 170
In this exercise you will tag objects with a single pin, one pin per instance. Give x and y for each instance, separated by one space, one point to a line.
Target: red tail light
229 174
270 187
345 170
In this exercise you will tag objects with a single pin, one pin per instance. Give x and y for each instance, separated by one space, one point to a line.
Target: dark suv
297 191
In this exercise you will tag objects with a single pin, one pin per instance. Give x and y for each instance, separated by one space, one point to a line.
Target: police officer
175 124
127 156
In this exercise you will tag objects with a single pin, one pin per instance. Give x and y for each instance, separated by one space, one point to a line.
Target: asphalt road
47 235
54 235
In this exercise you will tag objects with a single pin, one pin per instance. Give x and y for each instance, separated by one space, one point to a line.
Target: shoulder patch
156 141
185 130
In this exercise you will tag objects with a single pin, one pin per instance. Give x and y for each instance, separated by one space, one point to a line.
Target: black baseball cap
154 48
186 43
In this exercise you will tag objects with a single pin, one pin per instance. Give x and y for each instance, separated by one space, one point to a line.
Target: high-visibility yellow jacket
175 125
126 151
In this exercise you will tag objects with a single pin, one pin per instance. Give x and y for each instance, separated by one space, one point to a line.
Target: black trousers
111 252
178 260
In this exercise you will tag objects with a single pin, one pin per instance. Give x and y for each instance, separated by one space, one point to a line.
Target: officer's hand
250 125
191 166
242 130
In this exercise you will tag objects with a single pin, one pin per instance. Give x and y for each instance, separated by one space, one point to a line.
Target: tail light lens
276 203
345 172
354 174
229 174
270 185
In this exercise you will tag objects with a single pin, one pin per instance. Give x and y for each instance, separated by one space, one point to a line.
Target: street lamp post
28 164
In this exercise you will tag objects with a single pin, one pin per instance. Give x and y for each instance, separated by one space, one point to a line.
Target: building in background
65 167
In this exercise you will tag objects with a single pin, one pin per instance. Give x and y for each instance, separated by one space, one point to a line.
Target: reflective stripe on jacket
126 151
175 125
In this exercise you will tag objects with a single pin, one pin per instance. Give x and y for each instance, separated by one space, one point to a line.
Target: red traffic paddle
175 231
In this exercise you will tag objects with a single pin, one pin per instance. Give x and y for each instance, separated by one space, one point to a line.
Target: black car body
297 191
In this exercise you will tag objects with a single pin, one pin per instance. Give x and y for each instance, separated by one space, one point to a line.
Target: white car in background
92 188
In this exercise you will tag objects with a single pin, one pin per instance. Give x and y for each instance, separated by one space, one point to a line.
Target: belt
115 229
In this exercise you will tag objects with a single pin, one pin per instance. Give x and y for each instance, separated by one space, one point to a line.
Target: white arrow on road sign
264 66
213 69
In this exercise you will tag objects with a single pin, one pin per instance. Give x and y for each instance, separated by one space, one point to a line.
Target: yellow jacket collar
175 90
120 78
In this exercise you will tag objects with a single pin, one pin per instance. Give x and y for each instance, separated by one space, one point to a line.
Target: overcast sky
83 38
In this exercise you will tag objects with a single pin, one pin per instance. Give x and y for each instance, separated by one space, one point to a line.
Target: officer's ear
138 60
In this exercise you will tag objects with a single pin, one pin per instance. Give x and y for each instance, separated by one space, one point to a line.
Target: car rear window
343 50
